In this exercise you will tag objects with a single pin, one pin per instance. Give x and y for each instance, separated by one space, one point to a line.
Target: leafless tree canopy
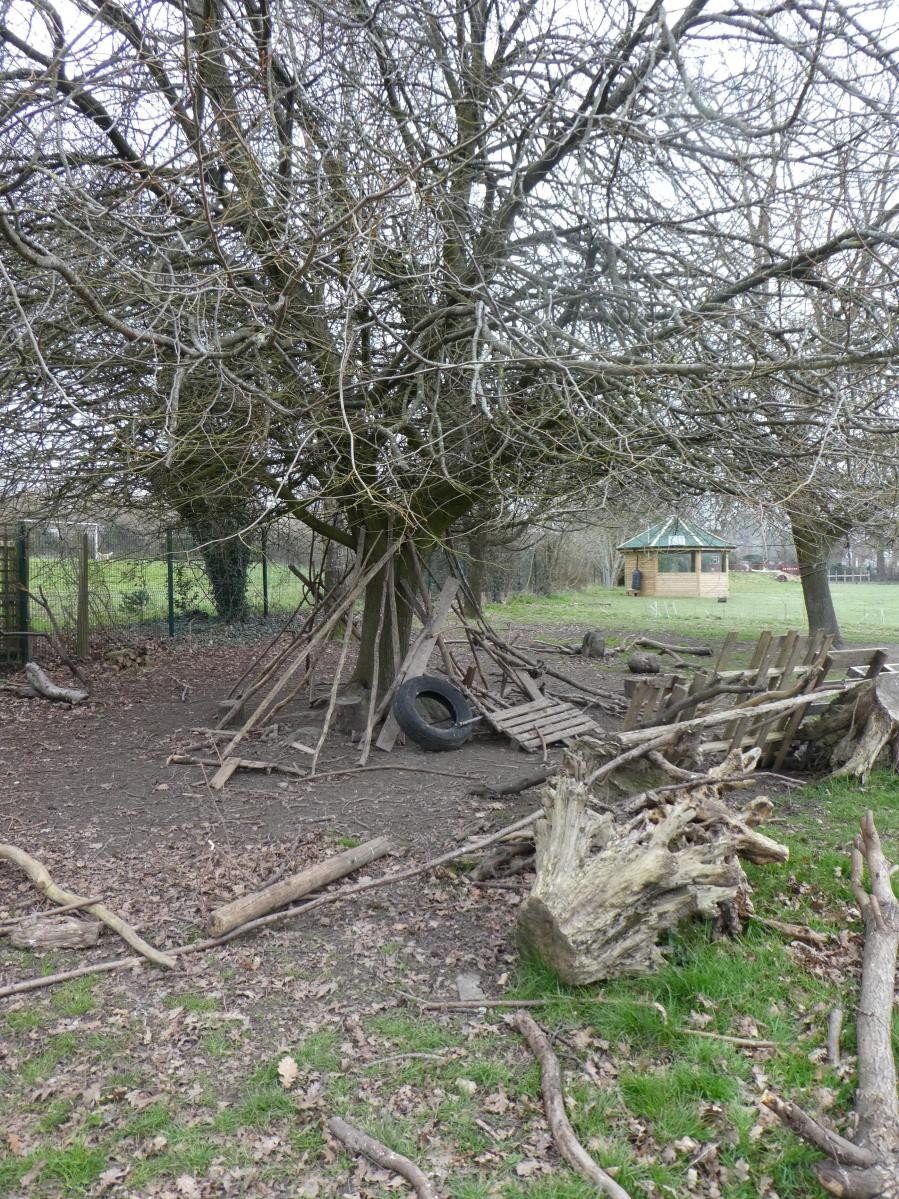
386 264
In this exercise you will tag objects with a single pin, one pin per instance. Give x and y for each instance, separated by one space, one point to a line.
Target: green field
129 591
868 612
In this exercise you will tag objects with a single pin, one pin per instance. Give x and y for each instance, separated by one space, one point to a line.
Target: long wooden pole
248 907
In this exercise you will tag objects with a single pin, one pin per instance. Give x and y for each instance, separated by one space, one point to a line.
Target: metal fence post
264 542
22 575
170 580
82 614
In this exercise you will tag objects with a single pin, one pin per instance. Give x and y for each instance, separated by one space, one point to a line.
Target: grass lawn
129 591
868 612
673 1110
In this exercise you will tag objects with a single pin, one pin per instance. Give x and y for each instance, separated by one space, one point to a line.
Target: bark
814 541
868 1166
475 575
227 565
216 530
605 891
40 684
54 932
359 1142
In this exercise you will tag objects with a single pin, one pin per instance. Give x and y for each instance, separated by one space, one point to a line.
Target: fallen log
42 685
859 729
53 932
515 786
868 1166
40 876
388 1159
605 891
569 1147
258 903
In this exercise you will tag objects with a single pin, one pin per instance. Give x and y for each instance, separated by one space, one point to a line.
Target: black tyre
441 697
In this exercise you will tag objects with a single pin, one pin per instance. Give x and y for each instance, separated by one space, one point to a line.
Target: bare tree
398 262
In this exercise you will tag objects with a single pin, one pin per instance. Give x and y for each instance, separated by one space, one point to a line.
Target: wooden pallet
541 722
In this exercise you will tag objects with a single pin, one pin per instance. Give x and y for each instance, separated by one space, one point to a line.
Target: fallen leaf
16 1144
111 1176
526 1168
288 1071
466 1086
187 1186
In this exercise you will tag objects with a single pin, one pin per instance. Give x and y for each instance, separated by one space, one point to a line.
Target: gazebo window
711 562
676 563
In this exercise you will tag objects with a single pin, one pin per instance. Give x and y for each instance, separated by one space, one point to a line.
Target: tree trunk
227 566
473 595
386 622
814 543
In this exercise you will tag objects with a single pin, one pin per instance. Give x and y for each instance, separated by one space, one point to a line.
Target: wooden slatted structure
777 663
541 722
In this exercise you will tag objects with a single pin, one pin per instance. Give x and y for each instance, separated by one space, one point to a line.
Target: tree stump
605 892
859 729
593 645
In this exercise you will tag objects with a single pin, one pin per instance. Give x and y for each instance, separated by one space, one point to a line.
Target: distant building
676 558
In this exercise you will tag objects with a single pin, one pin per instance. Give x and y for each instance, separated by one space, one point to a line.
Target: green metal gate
13 600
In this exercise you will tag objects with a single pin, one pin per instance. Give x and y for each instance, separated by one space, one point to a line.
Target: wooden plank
538 738
532 719
223 773
761 648
632 716
557 722
532 705
416 660
726 649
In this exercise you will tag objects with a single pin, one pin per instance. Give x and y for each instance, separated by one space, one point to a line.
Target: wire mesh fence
109 583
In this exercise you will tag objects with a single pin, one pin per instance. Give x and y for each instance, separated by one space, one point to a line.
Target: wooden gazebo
676 558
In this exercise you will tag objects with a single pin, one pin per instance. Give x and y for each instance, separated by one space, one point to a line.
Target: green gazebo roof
675 533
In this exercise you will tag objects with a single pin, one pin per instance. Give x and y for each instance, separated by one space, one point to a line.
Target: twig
816 1134
460 1005
567 1143
406 1057
360 1142
69 907
185 759
796 932
743 1042
56 640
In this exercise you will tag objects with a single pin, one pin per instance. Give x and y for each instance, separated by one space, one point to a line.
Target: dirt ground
88 791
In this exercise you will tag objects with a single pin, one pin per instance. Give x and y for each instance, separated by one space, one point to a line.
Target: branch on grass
567 1143
387 1159
867 1168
